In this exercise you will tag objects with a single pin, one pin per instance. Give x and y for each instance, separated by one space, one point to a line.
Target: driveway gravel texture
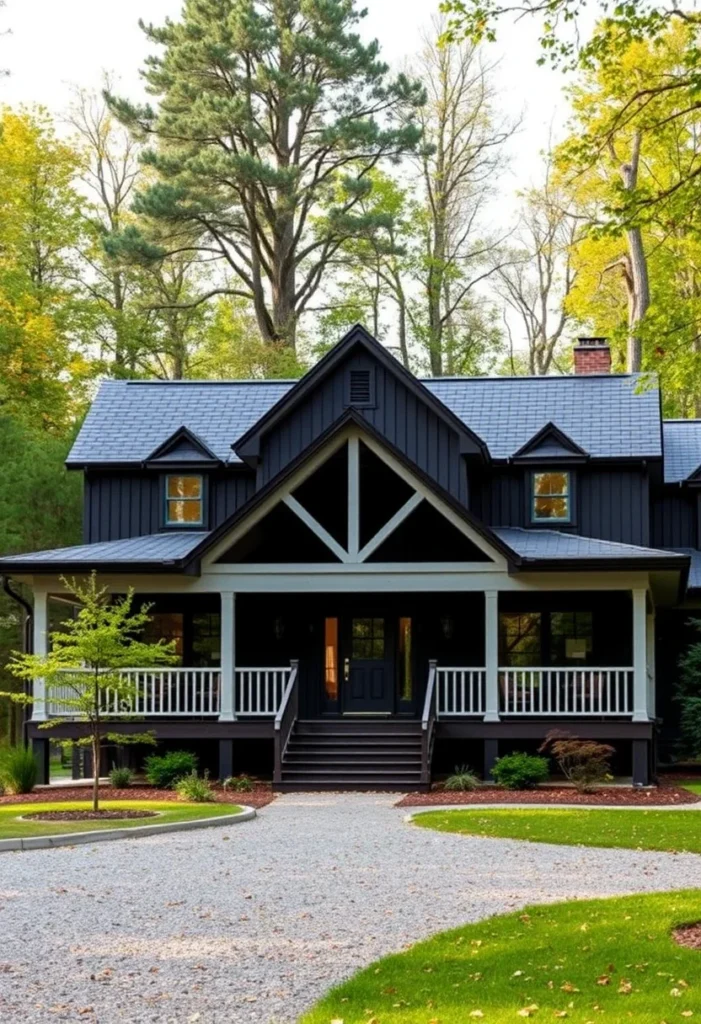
252 923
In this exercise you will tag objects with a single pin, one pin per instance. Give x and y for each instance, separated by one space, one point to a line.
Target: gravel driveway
251 923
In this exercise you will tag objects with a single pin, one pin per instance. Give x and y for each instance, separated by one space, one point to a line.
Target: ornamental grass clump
238 783
121 778
18 770
584 763
463 780
194 789
520 771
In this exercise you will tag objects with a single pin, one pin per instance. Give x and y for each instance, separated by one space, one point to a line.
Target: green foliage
82 671
688 695
238 784
164 770
18 770
584 763
520 771
260 101
121 778
462 780
195 789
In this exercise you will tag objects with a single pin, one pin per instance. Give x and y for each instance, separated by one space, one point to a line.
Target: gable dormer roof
183 448
550 443
248 445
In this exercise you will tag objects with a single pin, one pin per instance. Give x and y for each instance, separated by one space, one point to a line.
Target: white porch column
640 708
40 624
650 657
227 711
491 655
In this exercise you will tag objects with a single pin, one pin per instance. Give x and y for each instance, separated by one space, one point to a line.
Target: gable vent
361 387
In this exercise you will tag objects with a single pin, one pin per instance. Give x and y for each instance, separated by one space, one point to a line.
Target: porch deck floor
254 923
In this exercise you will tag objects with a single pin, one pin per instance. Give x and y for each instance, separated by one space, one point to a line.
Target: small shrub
463 780
18 770
238 783
121 778
195 789
164 770
520 771
584 763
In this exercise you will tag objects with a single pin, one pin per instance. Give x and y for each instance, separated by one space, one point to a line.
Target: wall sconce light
279 628
447 626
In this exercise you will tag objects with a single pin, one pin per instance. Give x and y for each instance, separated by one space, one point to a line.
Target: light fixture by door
279 628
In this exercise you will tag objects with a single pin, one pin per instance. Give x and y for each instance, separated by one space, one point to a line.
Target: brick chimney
592 355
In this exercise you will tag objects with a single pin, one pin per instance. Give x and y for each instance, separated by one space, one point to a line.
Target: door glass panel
331 658
166 626
368 639
406 676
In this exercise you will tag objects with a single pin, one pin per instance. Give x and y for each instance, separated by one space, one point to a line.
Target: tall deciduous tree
462 155
264 105
538 280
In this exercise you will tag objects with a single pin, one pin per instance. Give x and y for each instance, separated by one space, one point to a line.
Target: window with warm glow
331 658
551 497
184 504
406 673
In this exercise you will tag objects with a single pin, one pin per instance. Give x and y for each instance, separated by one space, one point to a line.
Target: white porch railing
259 691
185 692
460 691
566 691
545 692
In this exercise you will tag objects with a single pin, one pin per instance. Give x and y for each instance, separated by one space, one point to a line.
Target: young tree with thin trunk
537 282
462 156
265 107
82 672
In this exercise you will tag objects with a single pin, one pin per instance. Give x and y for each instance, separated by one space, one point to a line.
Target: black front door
368 667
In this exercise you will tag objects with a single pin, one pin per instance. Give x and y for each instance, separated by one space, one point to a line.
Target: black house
370 577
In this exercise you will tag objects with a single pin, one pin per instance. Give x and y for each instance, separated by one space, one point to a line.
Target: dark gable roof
607 417
357 336
550 443
682 449
612 416
183 448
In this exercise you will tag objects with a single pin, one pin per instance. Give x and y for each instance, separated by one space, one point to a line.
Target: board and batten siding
675 517
130 504
610 504
397 414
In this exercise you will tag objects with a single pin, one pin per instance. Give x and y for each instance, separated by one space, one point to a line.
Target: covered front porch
447 664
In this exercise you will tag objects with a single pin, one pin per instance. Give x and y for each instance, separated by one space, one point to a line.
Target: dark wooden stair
344 754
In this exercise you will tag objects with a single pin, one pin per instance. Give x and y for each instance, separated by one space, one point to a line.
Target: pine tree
265 107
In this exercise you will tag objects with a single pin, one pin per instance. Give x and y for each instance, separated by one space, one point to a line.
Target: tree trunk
638 283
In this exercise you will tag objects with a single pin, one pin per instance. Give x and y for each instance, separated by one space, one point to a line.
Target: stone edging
131 832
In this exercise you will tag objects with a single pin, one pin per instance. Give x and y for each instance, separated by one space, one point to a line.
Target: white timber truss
351 555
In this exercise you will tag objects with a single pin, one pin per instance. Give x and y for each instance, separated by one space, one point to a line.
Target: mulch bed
87 815
258 797
689 935
623 796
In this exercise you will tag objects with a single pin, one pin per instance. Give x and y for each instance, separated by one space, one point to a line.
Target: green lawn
169 811
693 787
643 829
609 960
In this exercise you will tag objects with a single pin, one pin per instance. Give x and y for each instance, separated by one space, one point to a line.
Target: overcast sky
54 43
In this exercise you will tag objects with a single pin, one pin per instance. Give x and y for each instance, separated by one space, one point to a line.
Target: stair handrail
285 719
428 723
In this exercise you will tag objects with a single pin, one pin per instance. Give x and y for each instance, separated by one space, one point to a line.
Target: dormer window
184 500
551 495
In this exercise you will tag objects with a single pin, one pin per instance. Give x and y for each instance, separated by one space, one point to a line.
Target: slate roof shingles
609 416
155 547
556 544
682 449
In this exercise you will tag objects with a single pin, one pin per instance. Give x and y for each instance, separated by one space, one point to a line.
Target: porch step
362 753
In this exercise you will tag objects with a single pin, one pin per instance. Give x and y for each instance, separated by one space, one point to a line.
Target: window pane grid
184 500
551 496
